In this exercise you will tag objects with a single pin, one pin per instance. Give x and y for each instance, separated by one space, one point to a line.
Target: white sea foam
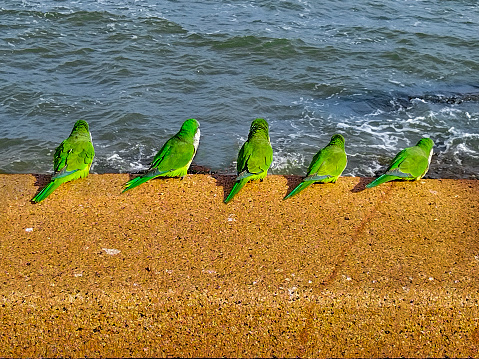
124 164
114 157
285 163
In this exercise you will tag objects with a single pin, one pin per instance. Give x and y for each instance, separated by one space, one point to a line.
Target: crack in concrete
354 238
304 334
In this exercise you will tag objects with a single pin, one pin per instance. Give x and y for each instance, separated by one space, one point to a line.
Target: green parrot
410 164
254 157
71 160
174 158
326 166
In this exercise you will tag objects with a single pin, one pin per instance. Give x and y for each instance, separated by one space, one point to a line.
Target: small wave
257 47
163 26
130 158
288 163
123 165
447 99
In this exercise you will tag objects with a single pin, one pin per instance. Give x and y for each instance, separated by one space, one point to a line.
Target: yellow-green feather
299 188
254 158
236 188
410 164
174 158
72 159
326 166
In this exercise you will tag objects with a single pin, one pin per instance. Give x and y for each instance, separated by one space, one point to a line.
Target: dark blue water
383 74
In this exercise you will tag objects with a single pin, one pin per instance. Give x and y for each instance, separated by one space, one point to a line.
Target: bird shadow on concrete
292 181
226 182
200 170
133 175
41 180
361 185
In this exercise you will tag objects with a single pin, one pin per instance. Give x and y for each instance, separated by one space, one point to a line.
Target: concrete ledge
167 269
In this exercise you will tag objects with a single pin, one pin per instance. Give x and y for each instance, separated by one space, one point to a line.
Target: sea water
382 74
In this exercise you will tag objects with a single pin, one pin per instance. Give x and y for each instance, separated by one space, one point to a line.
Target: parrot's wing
330 161
409 163
174 154
256 157
61 154
73 155
243 157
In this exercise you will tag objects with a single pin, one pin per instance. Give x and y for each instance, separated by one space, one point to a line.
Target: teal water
383 74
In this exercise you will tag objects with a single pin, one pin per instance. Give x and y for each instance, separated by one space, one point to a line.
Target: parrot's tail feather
247 175
236 188
136 182
64 173
317 178
299 188
45 192
397 172
381 179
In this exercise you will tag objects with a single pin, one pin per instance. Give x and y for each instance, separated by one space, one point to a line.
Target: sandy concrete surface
167 269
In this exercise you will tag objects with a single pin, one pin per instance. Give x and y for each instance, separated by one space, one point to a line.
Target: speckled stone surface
167 269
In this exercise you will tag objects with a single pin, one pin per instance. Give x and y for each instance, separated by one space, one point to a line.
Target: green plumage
254 158
410 164
326 166
175 157
71 160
